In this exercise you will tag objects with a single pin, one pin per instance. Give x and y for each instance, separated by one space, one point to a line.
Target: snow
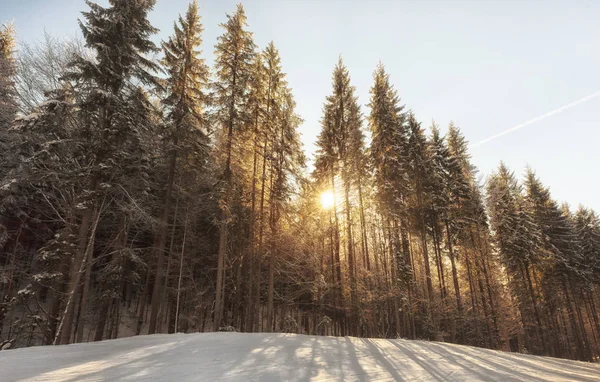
275 357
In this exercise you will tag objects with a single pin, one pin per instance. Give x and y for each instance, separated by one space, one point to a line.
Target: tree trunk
102 316
143 302
85 291
338 265
459 304
220 270
63 335
222 253
351 265
438 262
536 310
163 293
423 236
261 227
363 225
180 273
251 309
271 290
162 242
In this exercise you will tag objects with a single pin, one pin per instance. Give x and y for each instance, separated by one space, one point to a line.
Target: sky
489 66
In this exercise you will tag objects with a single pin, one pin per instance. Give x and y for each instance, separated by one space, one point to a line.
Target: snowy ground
275 357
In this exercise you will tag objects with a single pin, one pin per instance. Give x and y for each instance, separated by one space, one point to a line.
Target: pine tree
459 173
339 137
389 142
235 53
115 112
114 202
388 151
438 187
419 169
257 104
560 260
288 163
518 239
587 226
42 165
186 127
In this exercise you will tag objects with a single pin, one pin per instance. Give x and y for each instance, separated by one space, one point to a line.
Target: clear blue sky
486 65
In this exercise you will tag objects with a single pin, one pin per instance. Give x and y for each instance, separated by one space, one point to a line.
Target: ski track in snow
280 357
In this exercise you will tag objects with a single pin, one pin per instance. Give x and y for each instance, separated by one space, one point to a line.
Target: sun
327 200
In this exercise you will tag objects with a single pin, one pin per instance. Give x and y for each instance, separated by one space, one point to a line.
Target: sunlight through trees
149 196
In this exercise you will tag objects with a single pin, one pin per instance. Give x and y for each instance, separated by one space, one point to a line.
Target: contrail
536 119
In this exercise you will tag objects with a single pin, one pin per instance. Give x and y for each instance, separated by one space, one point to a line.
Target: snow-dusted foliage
143 192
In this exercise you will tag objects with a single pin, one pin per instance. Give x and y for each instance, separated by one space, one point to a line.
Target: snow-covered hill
280 357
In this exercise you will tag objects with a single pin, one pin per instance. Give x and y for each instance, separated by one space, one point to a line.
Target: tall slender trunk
363 225
142 305
459 304
58 293
180 273
222 253
12 279
272 255
423 236
271 290
160 250
63 335
594 312
276 213
438 262
338 265
251 308
261 227
406 250
574 327
587 356
351 264
220 268
484 260
588 311
102 316
121 241
332 249
536 310
471 283
164 296
85 291
376 250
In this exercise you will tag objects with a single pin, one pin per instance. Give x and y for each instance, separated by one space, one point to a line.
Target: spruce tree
419 170
338 154
257 93
560 260
587 228
459 173
234 52
288 164
518 239
389 144
186 128
115 111
42 173
438 187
